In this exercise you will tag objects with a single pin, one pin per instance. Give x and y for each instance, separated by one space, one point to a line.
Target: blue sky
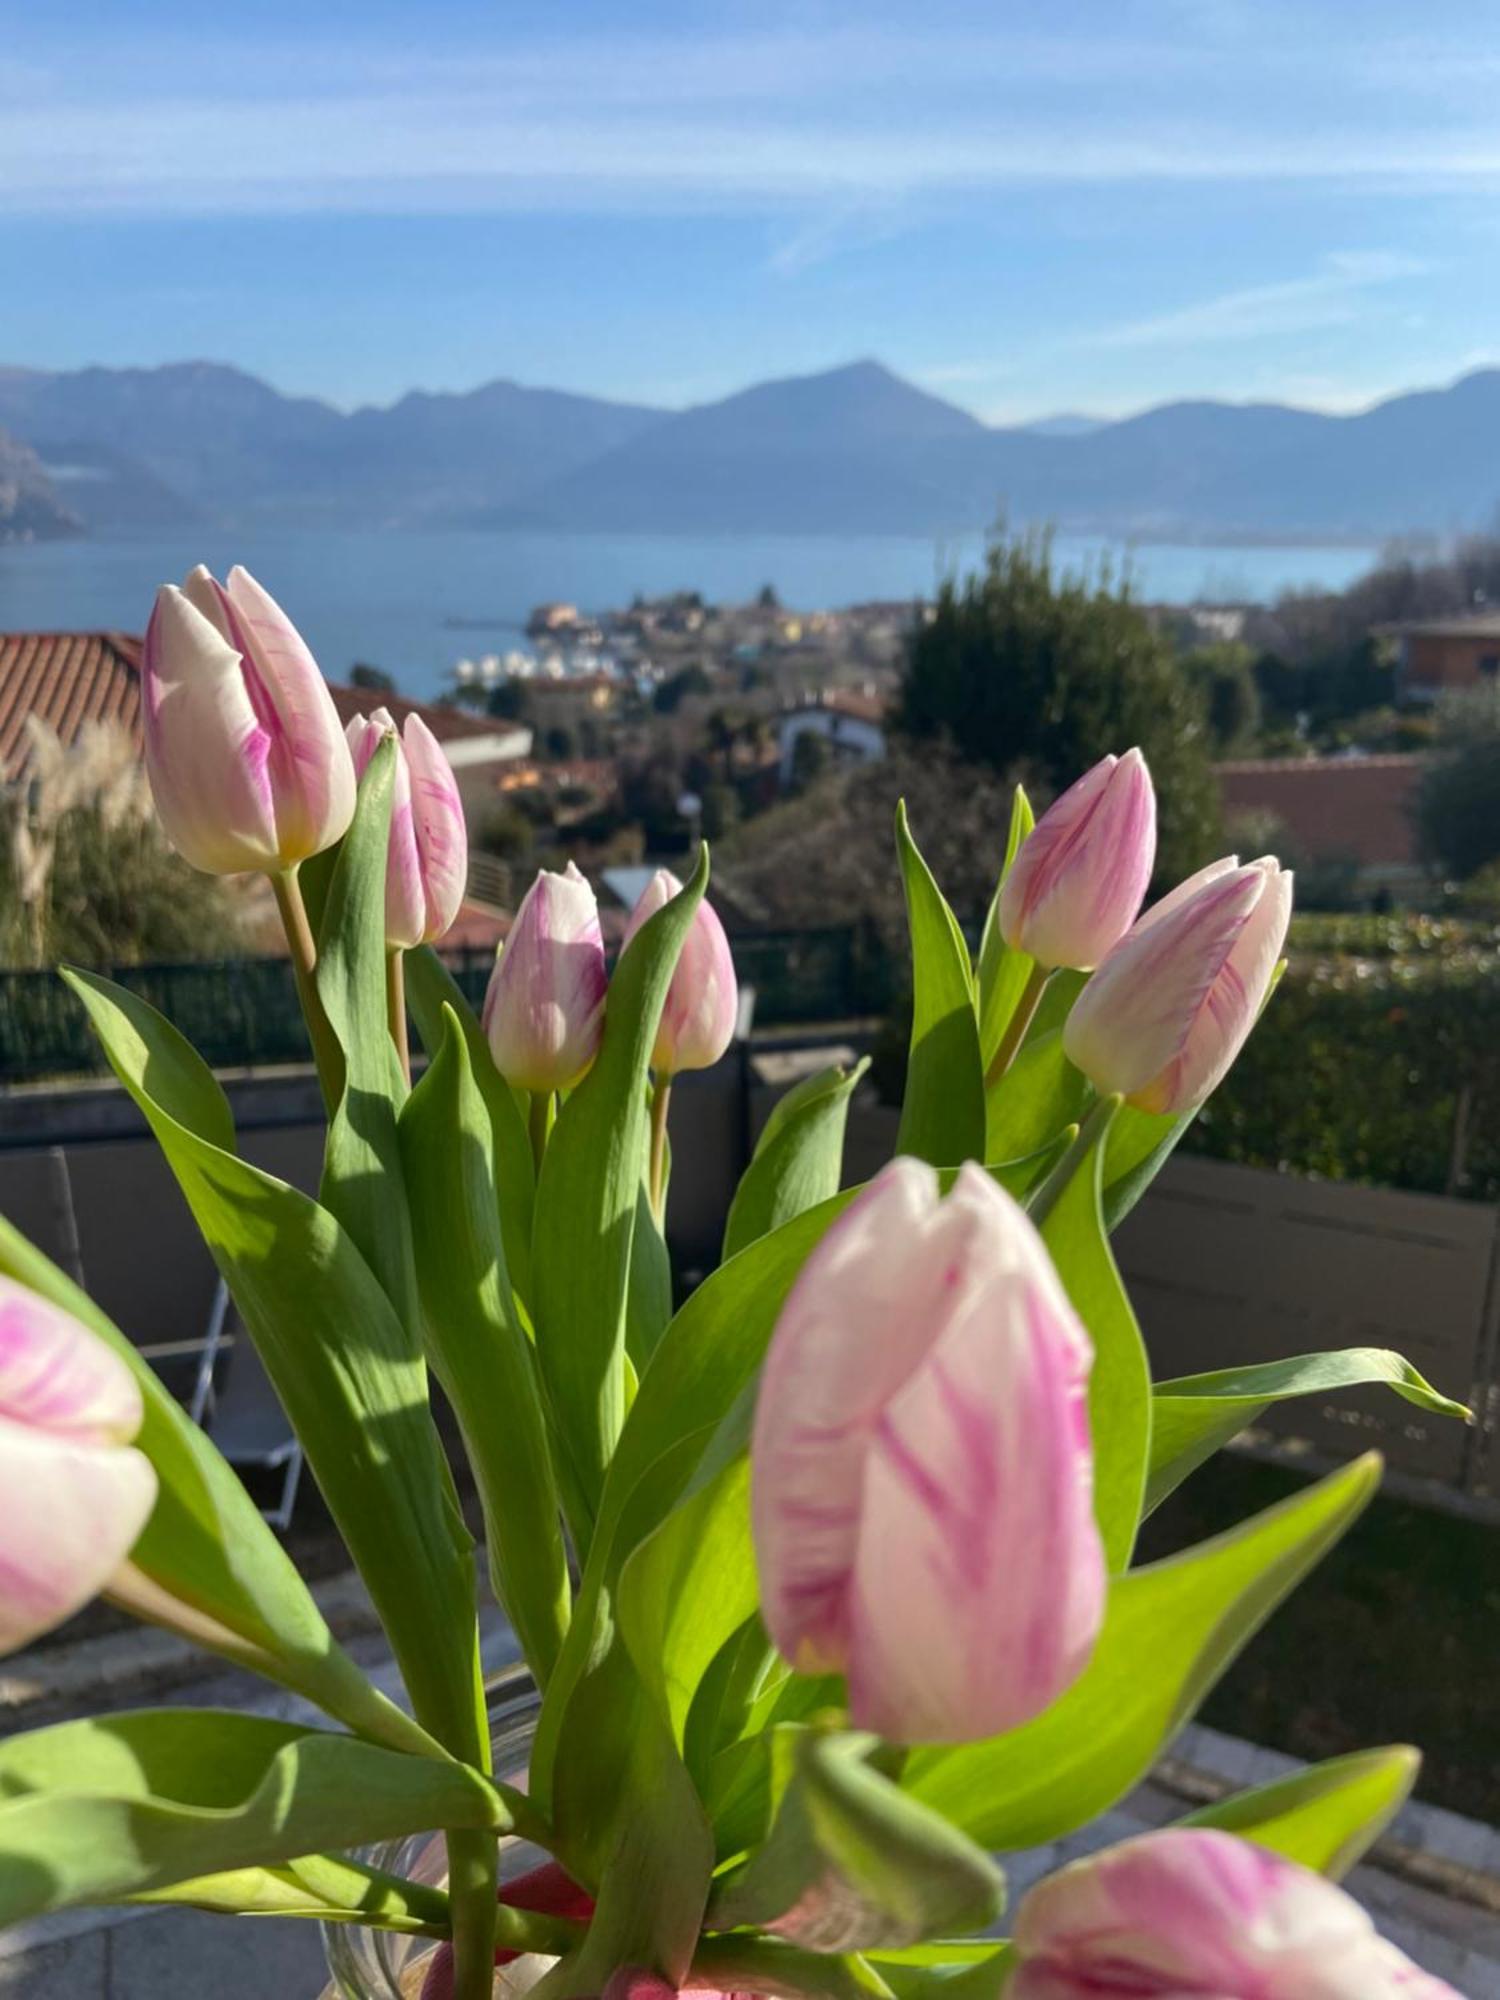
1088 204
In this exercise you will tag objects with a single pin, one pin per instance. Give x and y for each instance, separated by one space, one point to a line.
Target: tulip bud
1193 1910
73 1495
702 1004
1077 882
427 861
1170 1007
544 1012
247 762
921 1466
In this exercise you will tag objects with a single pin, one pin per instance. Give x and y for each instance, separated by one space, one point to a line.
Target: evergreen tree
1040 674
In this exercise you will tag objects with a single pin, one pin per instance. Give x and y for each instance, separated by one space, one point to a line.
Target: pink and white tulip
544 1012
73 1494
427 863
1171 1006
702 1004
246 758
1194 1911
921 1470
1078 880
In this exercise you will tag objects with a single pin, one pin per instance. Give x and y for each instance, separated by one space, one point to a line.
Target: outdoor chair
234 1402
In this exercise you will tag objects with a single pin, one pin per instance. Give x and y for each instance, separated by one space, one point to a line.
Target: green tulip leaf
851 1862
1001 973
1041 1092
648 1302
1169 1632
1140 1144
480 1350
1194 1415
430 988
947 1969
942 1116
327 1888
119 1805
1327 1817
799 1157
689 1586
362 1182
741 1962
207 1544
586 1203
1120 1404
630 1827
339 1357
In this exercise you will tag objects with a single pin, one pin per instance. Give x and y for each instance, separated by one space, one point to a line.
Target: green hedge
1377 1060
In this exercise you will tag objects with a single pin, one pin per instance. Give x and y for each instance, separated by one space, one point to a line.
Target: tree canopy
1040 673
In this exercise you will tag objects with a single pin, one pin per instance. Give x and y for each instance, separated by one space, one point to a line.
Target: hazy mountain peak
849 449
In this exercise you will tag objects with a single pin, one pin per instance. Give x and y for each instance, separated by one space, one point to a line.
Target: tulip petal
1230 1008
55 1376
544 1011
920 1491
441 835
405 900
701 1009
69 1515
978 1511
312 769
1196 1911
1129 1027
207 752
1077 882
823 1386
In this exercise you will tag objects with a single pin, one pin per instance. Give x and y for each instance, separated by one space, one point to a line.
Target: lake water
417 603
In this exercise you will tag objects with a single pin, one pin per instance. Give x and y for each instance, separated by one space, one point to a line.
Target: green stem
473 1880
657 1185
1016 1026
539 1124
1091 1133
395 1006
327 1054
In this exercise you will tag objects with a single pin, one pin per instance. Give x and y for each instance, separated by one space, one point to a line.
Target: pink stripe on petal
312 770
544 1010
1196 1912
57 1376
441 834
1132 1022
920 1471
207 753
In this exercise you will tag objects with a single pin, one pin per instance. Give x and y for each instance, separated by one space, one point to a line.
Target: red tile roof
70 678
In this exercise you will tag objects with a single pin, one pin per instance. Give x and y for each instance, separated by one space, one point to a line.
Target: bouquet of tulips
825 1578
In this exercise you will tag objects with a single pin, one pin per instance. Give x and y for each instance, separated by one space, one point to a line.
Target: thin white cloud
1329 297
841 119
824 234
410 154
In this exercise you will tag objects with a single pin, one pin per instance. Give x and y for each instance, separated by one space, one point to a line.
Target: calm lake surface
415 604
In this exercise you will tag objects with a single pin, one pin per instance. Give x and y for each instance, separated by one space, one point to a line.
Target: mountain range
854 450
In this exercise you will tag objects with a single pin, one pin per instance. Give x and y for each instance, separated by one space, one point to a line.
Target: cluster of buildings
826 676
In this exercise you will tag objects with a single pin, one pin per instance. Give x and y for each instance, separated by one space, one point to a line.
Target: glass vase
383 1965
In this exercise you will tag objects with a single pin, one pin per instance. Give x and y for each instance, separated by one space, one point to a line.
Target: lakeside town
629 730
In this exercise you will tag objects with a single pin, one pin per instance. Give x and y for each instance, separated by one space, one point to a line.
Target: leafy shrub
1378 1060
